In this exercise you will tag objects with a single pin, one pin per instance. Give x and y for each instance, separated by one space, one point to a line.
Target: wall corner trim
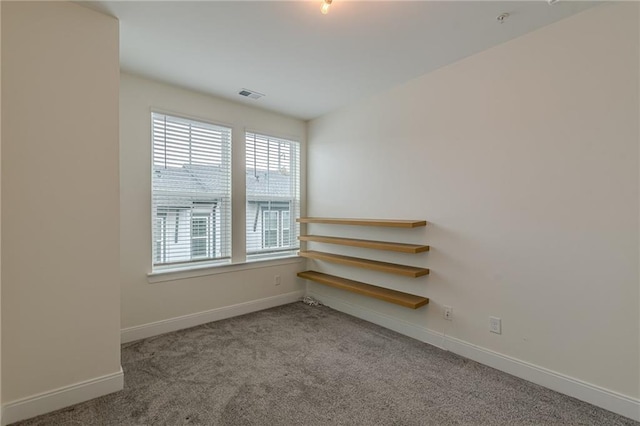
56 399
131 334
593 394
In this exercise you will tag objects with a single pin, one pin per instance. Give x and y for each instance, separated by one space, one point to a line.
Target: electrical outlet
276 280
448 313
495 325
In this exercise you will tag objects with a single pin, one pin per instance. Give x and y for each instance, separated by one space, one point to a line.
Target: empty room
319 212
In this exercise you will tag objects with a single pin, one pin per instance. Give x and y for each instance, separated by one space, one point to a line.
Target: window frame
238 257
217 203
294 203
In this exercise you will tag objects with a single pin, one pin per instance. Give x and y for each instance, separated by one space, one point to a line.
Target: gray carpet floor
303 365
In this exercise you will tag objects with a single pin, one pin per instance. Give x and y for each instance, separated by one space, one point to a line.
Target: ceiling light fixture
325 6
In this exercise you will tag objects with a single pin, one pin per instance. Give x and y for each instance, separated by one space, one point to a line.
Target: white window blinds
273 195
191 200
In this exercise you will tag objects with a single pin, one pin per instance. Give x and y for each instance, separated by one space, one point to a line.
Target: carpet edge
604 398
157 328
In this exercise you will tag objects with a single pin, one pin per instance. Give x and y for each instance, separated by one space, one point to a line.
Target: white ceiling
307 63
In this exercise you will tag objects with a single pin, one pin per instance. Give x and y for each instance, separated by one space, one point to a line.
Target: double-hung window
191 199
273 196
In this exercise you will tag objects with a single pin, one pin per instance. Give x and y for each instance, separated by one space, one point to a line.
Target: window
285 225
159 236
270 229
191 184
273 195
192 191
202 235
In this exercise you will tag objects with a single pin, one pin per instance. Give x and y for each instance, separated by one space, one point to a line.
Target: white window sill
203 271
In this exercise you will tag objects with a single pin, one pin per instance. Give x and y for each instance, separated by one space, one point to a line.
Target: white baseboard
596 395
178 323
46 402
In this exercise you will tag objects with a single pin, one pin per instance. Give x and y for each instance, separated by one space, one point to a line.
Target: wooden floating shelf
377 245
388 295
365 222
392 268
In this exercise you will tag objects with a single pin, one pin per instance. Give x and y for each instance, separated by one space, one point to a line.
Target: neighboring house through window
192 187
191 191
273 195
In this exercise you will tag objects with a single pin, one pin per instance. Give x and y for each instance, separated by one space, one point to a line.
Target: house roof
212 179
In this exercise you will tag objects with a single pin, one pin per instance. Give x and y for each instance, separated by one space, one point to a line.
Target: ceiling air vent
250 94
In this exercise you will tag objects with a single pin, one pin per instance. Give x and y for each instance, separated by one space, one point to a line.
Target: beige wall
60 204
0 215
144 302
524 158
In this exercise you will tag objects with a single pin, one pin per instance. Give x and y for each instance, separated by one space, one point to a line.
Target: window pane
159 232
270 225
273 194
271 238
191 186
286 227
198 247
199 227
272 220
